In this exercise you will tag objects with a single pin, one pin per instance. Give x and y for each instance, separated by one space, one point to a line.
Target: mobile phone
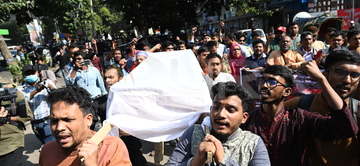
87 62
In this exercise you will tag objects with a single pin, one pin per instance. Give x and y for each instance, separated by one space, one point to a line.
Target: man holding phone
86 76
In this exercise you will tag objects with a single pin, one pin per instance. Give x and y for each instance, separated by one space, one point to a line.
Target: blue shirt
253 62
89 79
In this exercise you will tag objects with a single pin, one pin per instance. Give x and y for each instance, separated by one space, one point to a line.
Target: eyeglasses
342 73
236 49
117 53
269 83
241 40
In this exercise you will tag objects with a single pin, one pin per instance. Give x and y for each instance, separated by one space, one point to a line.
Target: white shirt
222 77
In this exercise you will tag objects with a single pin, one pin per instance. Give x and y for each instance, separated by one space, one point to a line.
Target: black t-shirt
63 60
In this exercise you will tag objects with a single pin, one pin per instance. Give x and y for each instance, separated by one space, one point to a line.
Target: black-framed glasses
241 40
342 73
272 83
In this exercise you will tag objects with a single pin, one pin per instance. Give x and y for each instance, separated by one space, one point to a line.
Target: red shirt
286 135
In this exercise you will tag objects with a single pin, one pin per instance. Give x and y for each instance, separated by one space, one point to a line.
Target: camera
8 96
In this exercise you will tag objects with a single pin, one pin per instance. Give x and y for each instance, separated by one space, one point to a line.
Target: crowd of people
314 129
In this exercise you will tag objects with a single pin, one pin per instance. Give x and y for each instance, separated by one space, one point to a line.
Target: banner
35 32
160 98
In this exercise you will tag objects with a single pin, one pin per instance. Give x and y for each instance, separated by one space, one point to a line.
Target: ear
88 119
245 117
287 92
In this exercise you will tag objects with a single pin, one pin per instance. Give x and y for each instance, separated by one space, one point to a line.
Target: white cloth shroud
160 98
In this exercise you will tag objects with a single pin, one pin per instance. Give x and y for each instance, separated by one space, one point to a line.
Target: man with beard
294 34
258 60
70 121
275 43
285 56
285 131
214 65
118 59
306 49
228 144
35 93
338 66
353 38
230 39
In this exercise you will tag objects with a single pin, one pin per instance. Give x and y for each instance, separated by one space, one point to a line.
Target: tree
258 7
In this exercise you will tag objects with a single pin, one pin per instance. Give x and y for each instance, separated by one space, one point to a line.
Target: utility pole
92 20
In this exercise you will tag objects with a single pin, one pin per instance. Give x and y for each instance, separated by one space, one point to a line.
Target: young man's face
226 116
203 56
242 40
258 49
214 67
307 41
182 47
213 49
336 41
111 77
343 84
206 39
117 55
228 41
354 41
140 59
272 93
68 125
294 29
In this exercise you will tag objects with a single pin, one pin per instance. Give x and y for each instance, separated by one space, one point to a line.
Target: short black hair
214 34
212 55
336 34
72 95
82 47
211 44
205 35
190 45
255 34
304 34
292 24
203 49
341 55
330 29
166 44
230 35
257 41
230 88
80 53
118 69
73 46
240 35
352 33
180 42
281 71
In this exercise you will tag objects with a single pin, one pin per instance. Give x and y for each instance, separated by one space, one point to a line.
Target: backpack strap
354 108
305 101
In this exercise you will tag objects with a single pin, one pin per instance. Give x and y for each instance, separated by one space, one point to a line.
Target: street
32 144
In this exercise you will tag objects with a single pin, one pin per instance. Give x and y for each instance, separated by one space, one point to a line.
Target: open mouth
63 138
221 124
264 93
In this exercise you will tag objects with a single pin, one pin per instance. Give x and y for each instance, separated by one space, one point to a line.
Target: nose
60 126
347 79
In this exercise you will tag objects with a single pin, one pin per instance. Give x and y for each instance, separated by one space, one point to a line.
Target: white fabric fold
160 98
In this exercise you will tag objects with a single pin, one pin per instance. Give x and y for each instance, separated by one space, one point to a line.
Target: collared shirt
296 42
90 79
253 62
308 56
222 77
220 49
38 104
286 135
330 153
291 57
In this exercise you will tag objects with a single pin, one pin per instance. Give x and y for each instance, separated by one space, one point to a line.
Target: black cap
27 68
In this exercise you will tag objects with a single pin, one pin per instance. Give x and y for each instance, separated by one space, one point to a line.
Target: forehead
140 57
348 65
229 100
205 53
61 109
355 36
111 72
258 45
274 77
286 38
236 47
214 60
117 51
337 37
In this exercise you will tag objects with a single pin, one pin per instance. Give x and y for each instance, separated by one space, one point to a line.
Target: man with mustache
70 121
228 144
214 65
285 56
285 131
338 66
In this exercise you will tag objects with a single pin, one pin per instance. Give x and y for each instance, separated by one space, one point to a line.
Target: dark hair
240 35
330 29
71 95
336 34
118 69
203 49
341 55
213 55
230 88
281 71
230 35
304 34
166 44
82 47
292 24
180 42
73 46
211 44
255 34
80 53
205 35
214 34
257 41
253 27
190 45
352 33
